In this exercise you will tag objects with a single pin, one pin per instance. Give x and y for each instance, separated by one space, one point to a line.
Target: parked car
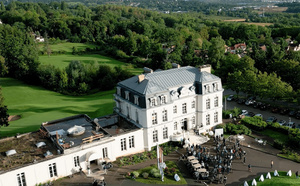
241 101
275 110
257 104
250 102
259 115
244 112
250 114
298 114
284 111
271 119
230 98
292 113
290 124
264 106
282 122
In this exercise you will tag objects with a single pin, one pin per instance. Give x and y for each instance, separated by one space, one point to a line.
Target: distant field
68 46
63 60
272 9
249 23
37 105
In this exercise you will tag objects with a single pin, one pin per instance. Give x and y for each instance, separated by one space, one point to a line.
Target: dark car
250 114
292 113
271 119
284 111
275 110
241 101
263 106
298 114
257 104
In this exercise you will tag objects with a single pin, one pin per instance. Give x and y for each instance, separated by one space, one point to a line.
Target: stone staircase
195 138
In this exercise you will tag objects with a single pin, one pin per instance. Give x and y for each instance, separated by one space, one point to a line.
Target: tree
3 111
216 52
47 47
3 67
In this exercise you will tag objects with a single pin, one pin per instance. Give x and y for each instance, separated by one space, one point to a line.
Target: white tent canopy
246 184
268 176
289 173
10 152
40 144
276 173
254 182
261 178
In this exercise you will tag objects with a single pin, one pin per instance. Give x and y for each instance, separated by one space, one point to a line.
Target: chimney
147 70
175 65
206 68
141 77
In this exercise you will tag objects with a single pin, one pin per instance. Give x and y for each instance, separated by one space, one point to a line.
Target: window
193 120
215 86
165 132
104 152
119 91
52 170
208 104
155 136
164 115
206 88
193 104
216 101
136 100
184 108
21 179
123 144
174 109
216 117
76 161
127 95
154 118
207 119
163 100
131 141
152 102
175 126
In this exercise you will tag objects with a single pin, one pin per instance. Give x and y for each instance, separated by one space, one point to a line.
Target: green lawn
37 105
68 46
63 60
167 180
275 135
283 179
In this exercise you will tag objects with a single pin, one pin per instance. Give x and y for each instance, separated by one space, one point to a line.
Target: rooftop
159 81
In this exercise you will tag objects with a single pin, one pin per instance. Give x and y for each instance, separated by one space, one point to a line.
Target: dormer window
163 99
192 88
206 88
127 95
153 102
136 100
119 91
215 86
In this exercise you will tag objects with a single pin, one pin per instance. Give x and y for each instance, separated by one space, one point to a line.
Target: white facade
174 108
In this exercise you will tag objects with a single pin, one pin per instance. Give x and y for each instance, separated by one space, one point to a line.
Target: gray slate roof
160 81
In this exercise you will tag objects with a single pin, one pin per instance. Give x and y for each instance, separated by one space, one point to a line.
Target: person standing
249 168
297 174
244 159
224 180
272 163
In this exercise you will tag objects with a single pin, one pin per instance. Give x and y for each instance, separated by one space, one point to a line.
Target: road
266 113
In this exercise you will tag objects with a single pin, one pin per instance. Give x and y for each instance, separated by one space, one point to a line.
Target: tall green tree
216 52
3 111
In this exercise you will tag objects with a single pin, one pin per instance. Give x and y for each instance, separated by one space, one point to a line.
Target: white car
282 122
244 112
259 115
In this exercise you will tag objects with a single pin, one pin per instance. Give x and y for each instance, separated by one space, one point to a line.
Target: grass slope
37 105
63 60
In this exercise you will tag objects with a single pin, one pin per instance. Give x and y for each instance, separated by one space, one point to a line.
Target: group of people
217 160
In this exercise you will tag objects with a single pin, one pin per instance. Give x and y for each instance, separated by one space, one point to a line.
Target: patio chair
265 142
256 139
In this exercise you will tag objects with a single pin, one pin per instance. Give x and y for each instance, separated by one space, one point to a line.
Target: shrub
153 171
255 123
156 175
135 174
278 144
145 175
